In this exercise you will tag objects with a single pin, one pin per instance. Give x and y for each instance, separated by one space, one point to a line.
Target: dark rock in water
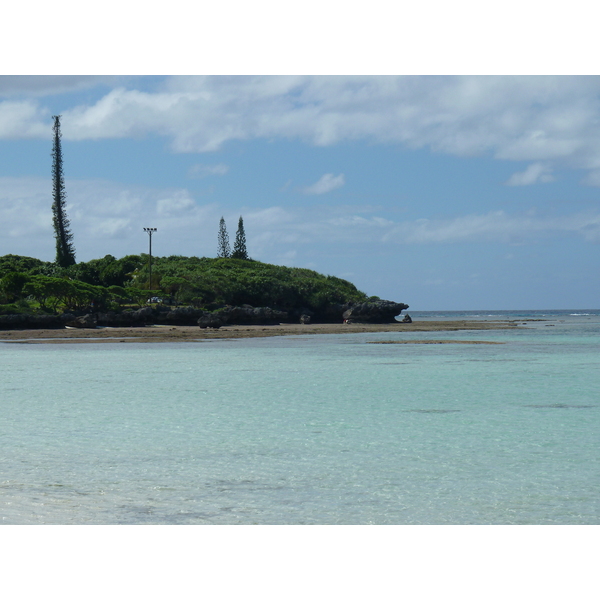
406 319
83 322
381 311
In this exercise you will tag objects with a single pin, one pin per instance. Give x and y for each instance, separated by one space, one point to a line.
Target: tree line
31 285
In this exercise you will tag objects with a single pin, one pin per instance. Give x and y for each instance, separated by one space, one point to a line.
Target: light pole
150 231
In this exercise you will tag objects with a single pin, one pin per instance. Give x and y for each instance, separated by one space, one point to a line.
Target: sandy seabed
169 333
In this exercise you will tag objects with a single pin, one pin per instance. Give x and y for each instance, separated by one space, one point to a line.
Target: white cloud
304 227
534 173
494 227
109 228
108 218
178 203
199 171
327 183
549 119
269 217
23 119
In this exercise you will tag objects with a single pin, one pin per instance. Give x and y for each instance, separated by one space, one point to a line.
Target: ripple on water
560 406
433 410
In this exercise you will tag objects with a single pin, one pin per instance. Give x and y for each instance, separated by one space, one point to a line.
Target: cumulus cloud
513 118
23 119
327 183
199 171
550 120
534 173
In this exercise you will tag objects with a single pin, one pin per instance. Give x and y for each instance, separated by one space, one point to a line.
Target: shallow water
308 429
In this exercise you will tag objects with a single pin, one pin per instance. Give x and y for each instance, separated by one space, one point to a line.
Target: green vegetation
28 284
224 250
65 252
239 247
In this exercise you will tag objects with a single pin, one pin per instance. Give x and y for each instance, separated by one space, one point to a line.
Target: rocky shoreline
187 324
379 312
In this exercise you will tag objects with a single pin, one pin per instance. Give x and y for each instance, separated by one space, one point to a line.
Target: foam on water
307 429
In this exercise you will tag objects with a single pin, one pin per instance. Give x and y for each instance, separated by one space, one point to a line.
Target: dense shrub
201 282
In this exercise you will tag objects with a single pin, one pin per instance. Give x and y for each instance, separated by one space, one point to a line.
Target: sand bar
167 333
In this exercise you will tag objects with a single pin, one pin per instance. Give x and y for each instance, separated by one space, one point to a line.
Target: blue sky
444 192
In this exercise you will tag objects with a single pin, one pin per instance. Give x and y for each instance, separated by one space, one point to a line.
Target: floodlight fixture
150 231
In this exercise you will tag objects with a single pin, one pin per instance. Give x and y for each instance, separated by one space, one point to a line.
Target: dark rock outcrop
382 311
127 318
244 315
183 315
210 320
21 321
84 322
332 313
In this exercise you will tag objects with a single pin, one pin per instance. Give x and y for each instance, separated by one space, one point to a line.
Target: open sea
326 429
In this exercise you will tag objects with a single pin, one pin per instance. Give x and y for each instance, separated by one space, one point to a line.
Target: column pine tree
224 250
65 252
239 247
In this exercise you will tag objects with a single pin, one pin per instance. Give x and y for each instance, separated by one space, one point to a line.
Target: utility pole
150 231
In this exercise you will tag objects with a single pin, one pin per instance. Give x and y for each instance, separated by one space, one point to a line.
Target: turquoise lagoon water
308 429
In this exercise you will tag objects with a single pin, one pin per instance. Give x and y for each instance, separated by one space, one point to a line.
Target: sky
443 192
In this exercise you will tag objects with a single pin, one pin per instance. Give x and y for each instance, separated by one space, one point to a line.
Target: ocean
327 429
